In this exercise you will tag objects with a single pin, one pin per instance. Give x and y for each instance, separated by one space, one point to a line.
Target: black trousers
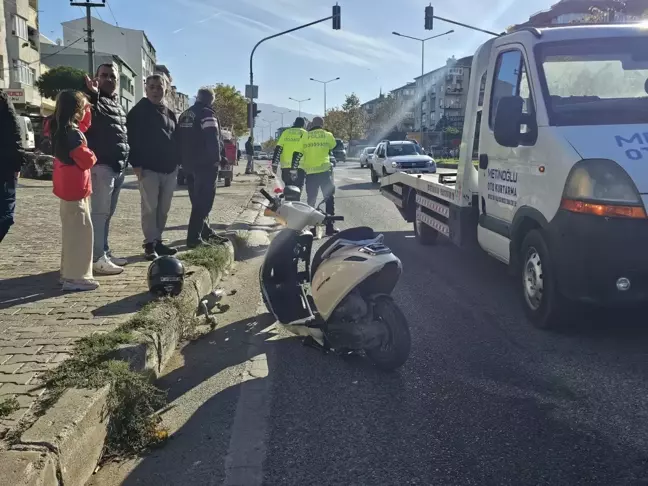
285 177
7 205
324 181
201 183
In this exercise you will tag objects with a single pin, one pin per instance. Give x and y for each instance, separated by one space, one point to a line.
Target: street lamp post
324 83
300 102
269 125
422 41
282 113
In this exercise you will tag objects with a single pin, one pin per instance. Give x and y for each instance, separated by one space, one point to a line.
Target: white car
263 156
365 156
400 156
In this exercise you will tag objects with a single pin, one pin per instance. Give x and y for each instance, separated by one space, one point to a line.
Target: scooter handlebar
267 196
335 218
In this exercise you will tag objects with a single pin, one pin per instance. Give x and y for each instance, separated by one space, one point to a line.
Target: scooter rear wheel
395 349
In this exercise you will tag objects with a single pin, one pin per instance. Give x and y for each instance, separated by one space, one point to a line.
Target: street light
422 41
282 113
324 83
269 125
300 102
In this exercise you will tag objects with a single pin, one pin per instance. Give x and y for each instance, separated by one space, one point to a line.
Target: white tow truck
559 120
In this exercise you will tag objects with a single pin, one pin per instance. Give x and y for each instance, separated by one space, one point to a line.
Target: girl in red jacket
72 184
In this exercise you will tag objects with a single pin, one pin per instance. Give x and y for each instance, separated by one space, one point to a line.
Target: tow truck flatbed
442 185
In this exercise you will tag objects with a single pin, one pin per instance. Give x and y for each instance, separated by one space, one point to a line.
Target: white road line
247 447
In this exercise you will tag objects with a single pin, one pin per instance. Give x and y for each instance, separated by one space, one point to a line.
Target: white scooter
341 301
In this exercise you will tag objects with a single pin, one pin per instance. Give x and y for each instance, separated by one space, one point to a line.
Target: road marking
247 447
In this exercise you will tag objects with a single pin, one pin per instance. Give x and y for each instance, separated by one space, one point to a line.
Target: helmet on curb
166 276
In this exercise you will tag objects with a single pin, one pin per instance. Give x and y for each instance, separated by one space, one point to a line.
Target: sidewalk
39 323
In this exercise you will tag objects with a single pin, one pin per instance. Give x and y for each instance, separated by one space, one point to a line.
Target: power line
57 52
113 15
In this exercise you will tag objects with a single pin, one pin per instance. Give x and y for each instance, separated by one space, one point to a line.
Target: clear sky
209 41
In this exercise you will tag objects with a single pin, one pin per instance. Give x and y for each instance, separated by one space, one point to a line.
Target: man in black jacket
108 140
11 159
200 142
154 157
249 152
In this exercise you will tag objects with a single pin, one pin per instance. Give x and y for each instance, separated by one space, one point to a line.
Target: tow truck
558 119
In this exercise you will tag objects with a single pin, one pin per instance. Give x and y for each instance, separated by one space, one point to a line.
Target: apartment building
405 97
20 54
446 93
175 100
131 45
78 58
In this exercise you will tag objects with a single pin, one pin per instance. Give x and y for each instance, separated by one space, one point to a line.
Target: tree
354 117
335 122
231 108
269 145
385 117
60 78
442 124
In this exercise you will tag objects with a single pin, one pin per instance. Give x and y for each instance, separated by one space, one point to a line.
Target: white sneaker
105 266
117 260
80 285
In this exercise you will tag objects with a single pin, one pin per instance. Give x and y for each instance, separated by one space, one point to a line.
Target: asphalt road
484 399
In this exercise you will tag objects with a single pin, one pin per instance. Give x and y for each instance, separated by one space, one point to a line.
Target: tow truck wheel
543 304
374 176
424 234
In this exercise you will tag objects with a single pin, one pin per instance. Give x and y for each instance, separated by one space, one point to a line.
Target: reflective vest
289 141
315 147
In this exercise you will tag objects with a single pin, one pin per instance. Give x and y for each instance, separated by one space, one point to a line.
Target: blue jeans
106 186
7 205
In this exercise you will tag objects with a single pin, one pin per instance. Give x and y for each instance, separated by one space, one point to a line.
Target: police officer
312 156
202 149
283 153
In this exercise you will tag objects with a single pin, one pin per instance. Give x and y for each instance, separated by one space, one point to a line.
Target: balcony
33 4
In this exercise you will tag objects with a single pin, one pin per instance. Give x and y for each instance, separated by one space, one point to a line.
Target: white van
27 139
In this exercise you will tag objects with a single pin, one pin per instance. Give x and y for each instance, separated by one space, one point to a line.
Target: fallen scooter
341 300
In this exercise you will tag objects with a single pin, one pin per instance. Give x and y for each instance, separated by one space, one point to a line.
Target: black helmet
166 276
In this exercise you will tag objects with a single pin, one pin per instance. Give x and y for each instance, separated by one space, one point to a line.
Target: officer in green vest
312 156
287 144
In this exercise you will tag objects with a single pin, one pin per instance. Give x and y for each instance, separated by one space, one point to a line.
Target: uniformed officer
202 149
283 153
312 156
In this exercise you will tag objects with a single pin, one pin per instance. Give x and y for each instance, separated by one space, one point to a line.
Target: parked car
339 152
332 160
263 156
365 156
399 156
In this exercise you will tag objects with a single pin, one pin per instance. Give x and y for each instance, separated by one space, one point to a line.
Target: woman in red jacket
72 184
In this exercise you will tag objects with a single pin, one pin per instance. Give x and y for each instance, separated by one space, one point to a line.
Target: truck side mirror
508 121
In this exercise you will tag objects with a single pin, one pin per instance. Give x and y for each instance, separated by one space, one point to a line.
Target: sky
206 42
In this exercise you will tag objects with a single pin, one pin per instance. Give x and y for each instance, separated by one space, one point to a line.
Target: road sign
251 91
16 95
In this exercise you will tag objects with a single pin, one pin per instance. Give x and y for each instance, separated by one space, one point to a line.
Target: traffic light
429 17
255 112
337 17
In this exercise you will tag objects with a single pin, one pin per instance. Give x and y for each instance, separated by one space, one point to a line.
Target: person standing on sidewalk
154 157
201 145
12 157
107 138
312 156
71 184
288 142
249 153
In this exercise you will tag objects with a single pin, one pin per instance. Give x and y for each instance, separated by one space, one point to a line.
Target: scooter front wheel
396 344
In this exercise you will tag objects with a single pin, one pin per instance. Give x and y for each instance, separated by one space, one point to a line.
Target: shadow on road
30 288
359 186
130 304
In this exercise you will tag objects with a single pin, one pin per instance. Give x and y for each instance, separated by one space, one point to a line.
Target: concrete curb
64 445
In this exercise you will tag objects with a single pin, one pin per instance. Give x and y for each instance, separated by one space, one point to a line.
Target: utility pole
88 6
324 83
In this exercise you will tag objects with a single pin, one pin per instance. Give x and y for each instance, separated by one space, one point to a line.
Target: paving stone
24 358
15 350
10 368
32 389
17 378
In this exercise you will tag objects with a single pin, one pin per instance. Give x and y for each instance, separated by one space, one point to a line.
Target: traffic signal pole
336 25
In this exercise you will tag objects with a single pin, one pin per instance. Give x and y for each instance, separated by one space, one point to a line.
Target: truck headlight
431 164
394 164
601 187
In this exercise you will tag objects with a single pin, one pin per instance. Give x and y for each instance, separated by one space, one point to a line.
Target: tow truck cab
559 118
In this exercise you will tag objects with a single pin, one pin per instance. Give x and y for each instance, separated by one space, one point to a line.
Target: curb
64 445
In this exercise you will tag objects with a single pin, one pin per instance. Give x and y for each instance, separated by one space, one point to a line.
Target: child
72 184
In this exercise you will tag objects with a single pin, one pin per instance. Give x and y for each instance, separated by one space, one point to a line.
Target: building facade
175 100
446 93
133 46
405 97
78 58
20 56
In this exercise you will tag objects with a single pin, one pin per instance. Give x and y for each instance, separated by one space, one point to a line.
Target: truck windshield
595 81
394 150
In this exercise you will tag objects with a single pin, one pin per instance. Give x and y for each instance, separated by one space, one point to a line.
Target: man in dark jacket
202 149
12 158
108 140
154 157
249 152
